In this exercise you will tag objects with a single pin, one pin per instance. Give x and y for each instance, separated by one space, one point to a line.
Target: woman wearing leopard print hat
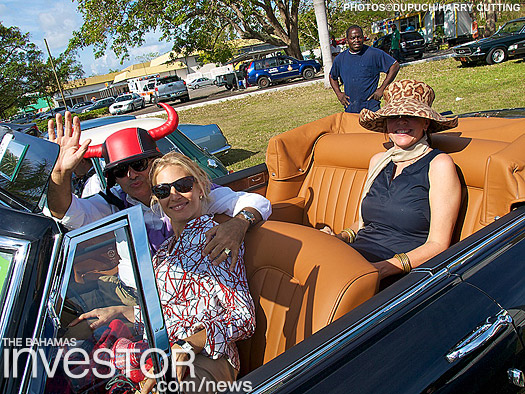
411 197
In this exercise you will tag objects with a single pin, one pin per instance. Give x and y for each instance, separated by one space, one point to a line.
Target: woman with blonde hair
206 307
412 194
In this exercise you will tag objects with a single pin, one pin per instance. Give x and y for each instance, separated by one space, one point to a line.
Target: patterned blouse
195 294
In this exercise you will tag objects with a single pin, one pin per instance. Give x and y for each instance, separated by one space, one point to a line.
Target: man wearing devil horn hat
128 154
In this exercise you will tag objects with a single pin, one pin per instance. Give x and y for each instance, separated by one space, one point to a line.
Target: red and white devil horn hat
132 144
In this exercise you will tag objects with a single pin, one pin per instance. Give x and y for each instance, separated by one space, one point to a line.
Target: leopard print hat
406 97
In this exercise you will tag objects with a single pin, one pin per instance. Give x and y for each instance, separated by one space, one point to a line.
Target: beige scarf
396 155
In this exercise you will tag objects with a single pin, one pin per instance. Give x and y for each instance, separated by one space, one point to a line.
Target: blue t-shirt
360 75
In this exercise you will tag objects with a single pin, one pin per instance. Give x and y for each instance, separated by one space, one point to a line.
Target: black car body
494 49
27 128
411 44
454 324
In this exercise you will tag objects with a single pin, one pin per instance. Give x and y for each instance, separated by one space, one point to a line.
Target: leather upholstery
300 280
328 189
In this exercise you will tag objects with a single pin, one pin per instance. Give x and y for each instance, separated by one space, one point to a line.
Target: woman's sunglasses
121 170
182 185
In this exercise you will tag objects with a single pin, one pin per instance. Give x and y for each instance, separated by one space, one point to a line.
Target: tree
19 61
191 25
24 76
339 18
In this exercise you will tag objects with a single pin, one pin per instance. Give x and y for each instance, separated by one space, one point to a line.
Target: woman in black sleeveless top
412 194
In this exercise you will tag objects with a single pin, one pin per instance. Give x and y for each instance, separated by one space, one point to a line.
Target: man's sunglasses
121 170
182 185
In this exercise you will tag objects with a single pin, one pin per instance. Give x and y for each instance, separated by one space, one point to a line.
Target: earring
201 197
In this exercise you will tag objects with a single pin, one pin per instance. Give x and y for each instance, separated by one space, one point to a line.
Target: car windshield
511 27
172 78
411 36
127 97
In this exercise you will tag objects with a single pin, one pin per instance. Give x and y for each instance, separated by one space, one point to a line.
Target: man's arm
390 76
341 96
230 234
67 136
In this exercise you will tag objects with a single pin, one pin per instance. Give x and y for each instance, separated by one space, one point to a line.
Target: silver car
126 103
200 82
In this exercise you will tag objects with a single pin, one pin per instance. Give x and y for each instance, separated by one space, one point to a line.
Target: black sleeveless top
396 212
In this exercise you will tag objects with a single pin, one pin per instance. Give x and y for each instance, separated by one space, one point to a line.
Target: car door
440 329
103 265
271 68
288 68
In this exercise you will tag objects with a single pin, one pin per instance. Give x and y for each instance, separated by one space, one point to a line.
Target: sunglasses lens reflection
182 185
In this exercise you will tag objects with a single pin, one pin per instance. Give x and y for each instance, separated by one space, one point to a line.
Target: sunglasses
121 170
182 185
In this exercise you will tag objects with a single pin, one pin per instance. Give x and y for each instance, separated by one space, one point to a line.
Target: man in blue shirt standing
359 68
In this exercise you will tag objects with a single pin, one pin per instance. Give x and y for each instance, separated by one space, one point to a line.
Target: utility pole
324 38
55 72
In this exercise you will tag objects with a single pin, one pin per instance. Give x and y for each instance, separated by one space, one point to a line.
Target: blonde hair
192 168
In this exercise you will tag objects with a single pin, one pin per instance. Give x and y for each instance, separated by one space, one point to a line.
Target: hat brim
145 155
375 121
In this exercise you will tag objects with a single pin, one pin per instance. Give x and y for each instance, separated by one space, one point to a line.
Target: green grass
250 122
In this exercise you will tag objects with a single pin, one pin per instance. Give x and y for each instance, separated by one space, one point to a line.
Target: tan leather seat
323 186
301 280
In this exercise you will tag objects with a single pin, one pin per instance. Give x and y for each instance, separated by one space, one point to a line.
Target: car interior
301 279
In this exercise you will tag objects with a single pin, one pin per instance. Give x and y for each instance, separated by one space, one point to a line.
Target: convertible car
324 321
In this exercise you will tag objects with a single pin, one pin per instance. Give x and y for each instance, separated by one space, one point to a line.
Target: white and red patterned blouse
196 294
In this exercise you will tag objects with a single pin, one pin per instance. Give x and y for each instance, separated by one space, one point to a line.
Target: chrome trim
146 281
132 221
334 344
42 311
337 342
222 150
20 249
490 238
480 336
71 240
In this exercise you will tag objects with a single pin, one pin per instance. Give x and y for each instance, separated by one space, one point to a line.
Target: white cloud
55 20
58 22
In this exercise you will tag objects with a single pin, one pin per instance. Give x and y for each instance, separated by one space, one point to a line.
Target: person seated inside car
412 193
129 154
207 307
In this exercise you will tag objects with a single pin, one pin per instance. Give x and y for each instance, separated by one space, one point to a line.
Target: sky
55 20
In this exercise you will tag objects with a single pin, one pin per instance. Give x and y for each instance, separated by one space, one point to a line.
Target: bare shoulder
442 162
442 166
375 159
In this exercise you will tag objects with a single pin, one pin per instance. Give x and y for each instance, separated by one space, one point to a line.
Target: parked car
22 118
517 49
101 103
99 129
494 49
52 112
170 88
200 82
78 108
209 137
411 44
264 72
126 103
324 324
27 128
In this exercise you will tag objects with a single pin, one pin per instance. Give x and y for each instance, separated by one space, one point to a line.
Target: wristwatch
184 345
250 217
